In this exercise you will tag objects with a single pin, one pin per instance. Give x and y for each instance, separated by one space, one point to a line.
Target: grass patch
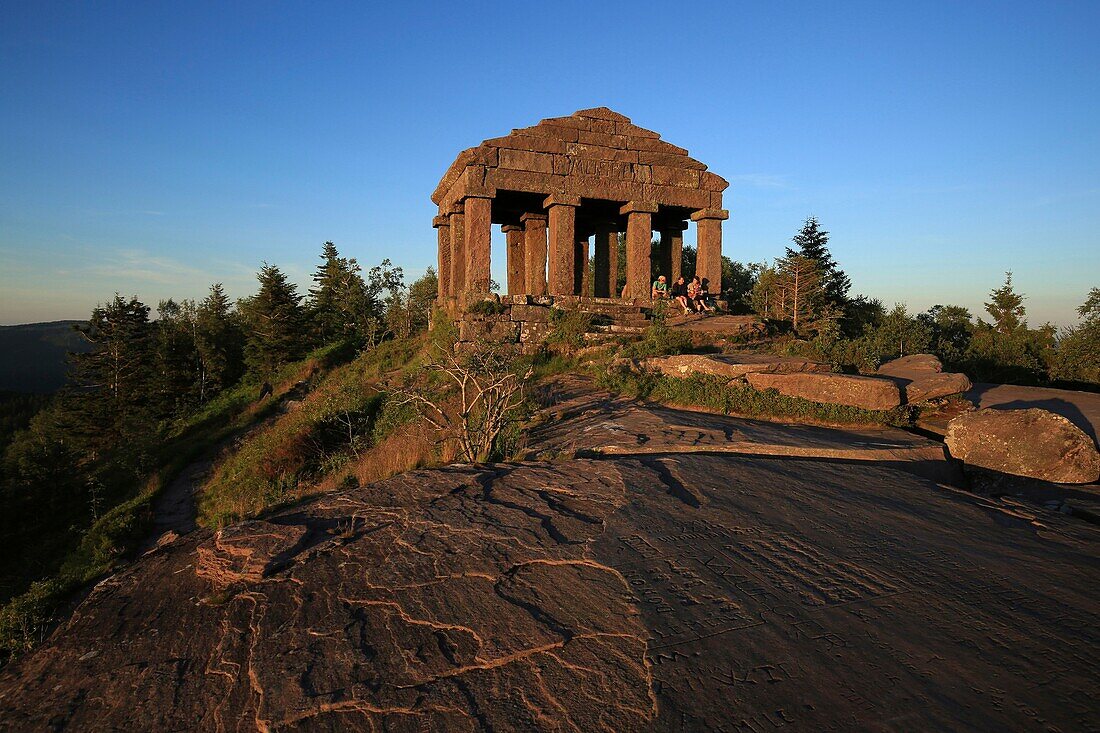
715 393
340 421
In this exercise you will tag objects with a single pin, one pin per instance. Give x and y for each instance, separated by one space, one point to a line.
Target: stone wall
526 319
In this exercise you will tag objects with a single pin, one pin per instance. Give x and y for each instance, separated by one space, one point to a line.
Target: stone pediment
593 153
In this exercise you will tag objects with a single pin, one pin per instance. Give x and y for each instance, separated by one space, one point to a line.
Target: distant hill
32 355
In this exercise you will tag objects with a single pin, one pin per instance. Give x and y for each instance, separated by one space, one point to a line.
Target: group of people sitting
692 296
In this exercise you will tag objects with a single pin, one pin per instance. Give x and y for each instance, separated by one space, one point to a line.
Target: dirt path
175 510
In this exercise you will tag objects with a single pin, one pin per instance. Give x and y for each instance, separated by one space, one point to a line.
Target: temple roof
592 153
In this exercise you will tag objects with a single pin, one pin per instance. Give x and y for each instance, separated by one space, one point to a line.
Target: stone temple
554 186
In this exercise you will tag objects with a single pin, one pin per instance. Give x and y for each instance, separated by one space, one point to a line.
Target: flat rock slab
921 378
1032 442
732 366
906 366
1080 408
868 393
586 420
737 326
690 592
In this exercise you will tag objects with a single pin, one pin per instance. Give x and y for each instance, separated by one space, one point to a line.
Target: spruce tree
812 242
110 385
219 342
275 322
1007 307
176 363
801 293
338 301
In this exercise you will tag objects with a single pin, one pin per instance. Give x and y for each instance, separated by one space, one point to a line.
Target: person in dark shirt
680 295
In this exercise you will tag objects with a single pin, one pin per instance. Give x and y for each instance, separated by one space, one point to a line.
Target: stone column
479 229
672 250
580 268
708 233
458 254
607 260
443 230
563 218
639 238
517 264
534 245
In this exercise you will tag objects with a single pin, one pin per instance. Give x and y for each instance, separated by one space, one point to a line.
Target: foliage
336 421
410 311
16 411
275 322
568 327
486 307
659 339
219 341
1078 358
741 399
811 242
469 396
1007 308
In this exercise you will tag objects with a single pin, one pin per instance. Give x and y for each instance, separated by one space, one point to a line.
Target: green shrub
715 393
568 327
486 308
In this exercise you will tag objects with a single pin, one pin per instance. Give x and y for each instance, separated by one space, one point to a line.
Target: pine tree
219 342
1007 308
110 384
812 242
801 293
275 322
339 302
176 364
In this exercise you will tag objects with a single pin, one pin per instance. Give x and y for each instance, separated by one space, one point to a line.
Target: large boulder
921 378
1033 442
913 364
869 393
732 366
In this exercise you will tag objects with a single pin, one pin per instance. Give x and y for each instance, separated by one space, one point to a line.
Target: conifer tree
176 363
275 322
812 242
219 342
111 383
1007 308
801 293
338 301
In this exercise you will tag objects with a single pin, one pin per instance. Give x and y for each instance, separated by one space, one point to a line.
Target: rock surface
732 366
921 378
667 586
1080 408
869 393
586 420
904 366
668 593
1032 442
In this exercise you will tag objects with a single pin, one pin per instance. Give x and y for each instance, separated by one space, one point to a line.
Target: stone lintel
531 216
639 207
511 228
484 194
561 199
710 214
440 221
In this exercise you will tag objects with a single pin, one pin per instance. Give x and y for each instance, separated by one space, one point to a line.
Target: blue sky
154 148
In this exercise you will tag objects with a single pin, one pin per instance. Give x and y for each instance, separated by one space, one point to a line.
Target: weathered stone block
1033 442
525 160
869 393
531 313
532 332
733 366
